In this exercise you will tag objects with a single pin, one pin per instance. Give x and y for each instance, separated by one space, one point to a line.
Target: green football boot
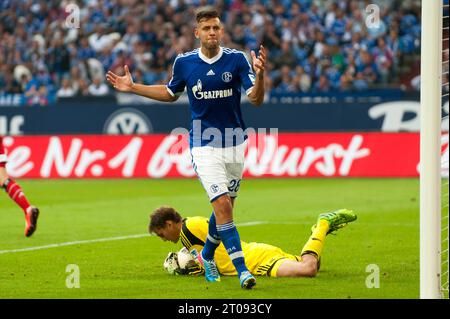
337 219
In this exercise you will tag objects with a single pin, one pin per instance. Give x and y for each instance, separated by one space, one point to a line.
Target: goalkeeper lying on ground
261 259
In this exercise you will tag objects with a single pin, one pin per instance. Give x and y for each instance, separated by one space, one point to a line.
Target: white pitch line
251 223
78 242
98 240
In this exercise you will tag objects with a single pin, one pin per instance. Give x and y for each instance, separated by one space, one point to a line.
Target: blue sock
232 242
212 240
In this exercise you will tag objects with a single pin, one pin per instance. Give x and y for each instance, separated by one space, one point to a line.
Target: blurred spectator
83 87
360 83
302 80
319 43
384 57
85 51
100 39
98 87
66 89
364 64
238 37
24 80
346 81
8 84
393 44
286 84
271 38
334 77
322 85
285 56
58 59
36 95
142 57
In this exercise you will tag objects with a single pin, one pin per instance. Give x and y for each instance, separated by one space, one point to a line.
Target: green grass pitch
385 237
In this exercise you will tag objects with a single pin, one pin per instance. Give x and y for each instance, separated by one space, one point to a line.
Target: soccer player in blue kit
213 77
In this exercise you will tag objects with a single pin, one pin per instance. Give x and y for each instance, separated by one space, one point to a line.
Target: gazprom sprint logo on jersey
206 95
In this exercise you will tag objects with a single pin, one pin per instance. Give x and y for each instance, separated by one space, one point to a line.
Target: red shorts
2 153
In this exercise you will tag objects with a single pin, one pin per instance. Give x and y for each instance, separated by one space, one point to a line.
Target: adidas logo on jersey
210 72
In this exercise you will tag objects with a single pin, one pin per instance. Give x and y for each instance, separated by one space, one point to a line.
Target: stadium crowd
314 46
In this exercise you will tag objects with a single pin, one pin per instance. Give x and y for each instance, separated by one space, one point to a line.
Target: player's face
169 233
210 33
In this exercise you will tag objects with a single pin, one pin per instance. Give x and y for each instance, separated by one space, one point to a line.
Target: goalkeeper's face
170 232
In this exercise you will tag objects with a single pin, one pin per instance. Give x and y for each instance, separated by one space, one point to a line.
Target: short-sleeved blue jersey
214 91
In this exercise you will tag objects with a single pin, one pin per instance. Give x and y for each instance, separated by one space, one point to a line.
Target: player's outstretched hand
121 83
260 61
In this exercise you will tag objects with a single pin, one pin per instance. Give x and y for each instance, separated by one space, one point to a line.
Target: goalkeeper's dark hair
162 214
206 12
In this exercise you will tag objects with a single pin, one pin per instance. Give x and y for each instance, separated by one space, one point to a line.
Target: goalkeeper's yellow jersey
261 259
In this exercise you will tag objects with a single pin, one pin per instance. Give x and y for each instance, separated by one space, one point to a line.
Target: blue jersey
214 91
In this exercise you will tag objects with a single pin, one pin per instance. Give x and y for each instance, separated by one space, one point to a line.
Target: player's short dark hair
206 12
161 215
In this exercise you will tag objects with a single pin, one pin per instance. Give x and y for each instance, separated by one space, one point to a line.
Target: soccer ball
185 259
180 263
171 263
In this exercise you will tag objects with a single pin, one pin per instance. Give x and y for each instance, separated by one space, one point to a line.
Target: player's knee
309 265
311 270
223 200
307 269
223 207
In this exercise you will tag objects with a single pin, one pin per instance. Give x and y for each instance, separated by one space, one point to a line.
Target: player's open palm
121 83
260 61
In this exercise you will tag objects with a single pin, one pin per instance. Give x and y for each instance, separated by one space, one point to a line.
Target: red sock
15 192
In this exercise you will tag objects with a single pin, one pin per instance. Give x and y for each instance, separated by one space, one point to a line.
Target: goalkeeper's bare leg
307 267
311 253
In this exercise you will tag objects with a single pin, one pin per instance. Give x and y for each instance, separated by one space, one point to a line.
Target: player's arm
256 96
125 84
252 76
155 92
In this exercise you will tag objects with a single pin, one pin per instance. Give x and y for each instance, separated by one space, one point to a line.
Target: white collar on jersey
213 59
